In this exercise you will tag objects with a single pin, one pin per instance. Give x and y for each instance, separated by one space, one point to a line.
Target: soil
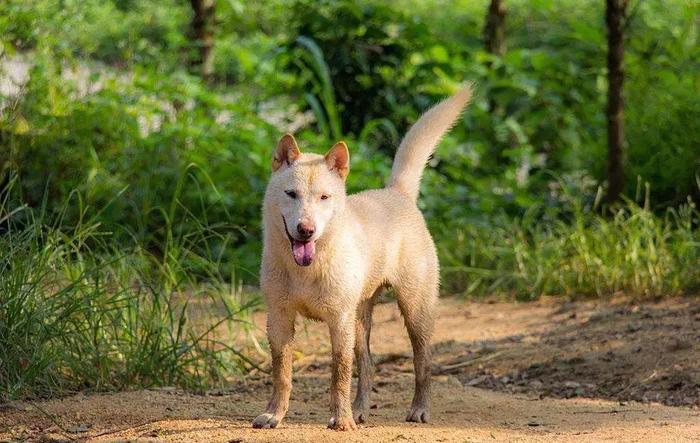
544 371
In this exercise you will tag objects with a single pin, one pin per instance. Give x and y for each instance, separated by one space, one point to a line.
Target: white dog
327 256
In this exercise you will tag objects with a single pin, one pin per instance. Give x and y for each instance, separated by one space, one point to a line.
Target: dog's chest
319 298
312 299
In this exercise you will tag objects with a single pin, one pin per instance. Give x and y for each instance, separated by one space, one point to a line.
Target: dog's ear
338 159
286 153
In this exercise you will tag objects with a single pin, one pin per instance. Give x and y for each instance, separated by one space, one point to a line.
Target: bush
129 144
367 50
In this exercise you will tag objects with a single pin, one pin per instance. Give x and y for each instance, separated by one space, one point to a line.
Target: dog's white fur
359 245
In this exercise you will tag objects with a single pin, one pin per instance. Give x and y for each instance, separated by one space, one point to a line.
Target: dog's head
307 191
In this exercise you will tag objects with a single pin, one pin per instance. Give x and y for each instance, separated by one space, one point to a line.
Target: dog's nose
305 230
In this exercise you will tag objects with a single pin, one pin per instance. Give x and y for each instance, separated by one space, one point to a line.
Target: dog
328 255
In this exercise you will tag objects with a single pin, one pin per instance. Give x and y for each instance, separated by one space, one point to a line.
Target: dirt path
531 357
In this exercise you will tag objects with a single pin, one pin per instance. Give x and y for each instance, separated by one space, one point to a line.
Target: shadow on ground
645 353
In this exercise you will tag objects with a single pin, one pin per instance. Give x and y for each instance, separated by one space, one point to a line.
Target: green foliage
130 142
365 47
123 32
663 128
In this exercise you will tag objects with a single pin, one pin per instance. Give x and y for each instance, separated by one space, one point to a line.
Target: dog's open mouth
302 250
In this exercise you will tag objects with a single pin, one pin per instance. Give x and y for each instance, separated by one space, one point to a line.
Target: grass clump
577 252
78 312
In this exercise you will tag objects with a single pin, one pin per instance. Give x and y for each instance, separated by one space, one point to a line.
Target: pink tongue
303 252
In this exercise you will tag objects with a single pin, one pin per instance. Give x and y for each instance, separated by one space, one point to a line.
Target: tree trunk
494 29
202 36
494 37
615 15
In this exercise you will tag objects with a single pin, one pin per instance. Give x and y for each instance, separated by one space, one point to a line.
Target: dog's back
393 227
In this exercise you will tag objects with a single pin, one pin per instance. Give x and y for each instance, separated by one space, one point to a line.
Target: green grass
580 253
78 312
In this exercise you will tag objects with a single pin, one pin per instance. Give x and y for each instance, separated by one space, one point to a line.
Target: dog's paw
418 414
266 420
360 412
342 424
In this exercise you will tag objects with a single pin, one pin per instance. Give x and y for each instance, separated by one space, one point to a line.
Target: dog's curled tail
422 139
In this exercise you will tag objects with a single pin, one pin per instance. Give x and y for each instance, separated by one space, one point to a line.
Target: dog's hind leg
363 358
417 300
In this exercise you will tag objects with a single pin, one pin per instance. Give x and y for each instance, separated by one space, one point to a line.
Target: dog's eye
325 197
291 194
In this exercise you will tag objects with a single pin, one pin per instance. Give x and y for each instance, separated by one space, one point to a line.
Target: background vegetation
135 144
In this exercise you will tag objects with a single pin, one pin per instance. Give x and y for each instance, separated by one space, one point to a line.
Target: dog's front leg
280 333
342 332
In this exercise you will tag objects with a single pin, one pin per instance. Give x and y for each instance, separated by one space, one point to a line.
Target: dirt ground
545 371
